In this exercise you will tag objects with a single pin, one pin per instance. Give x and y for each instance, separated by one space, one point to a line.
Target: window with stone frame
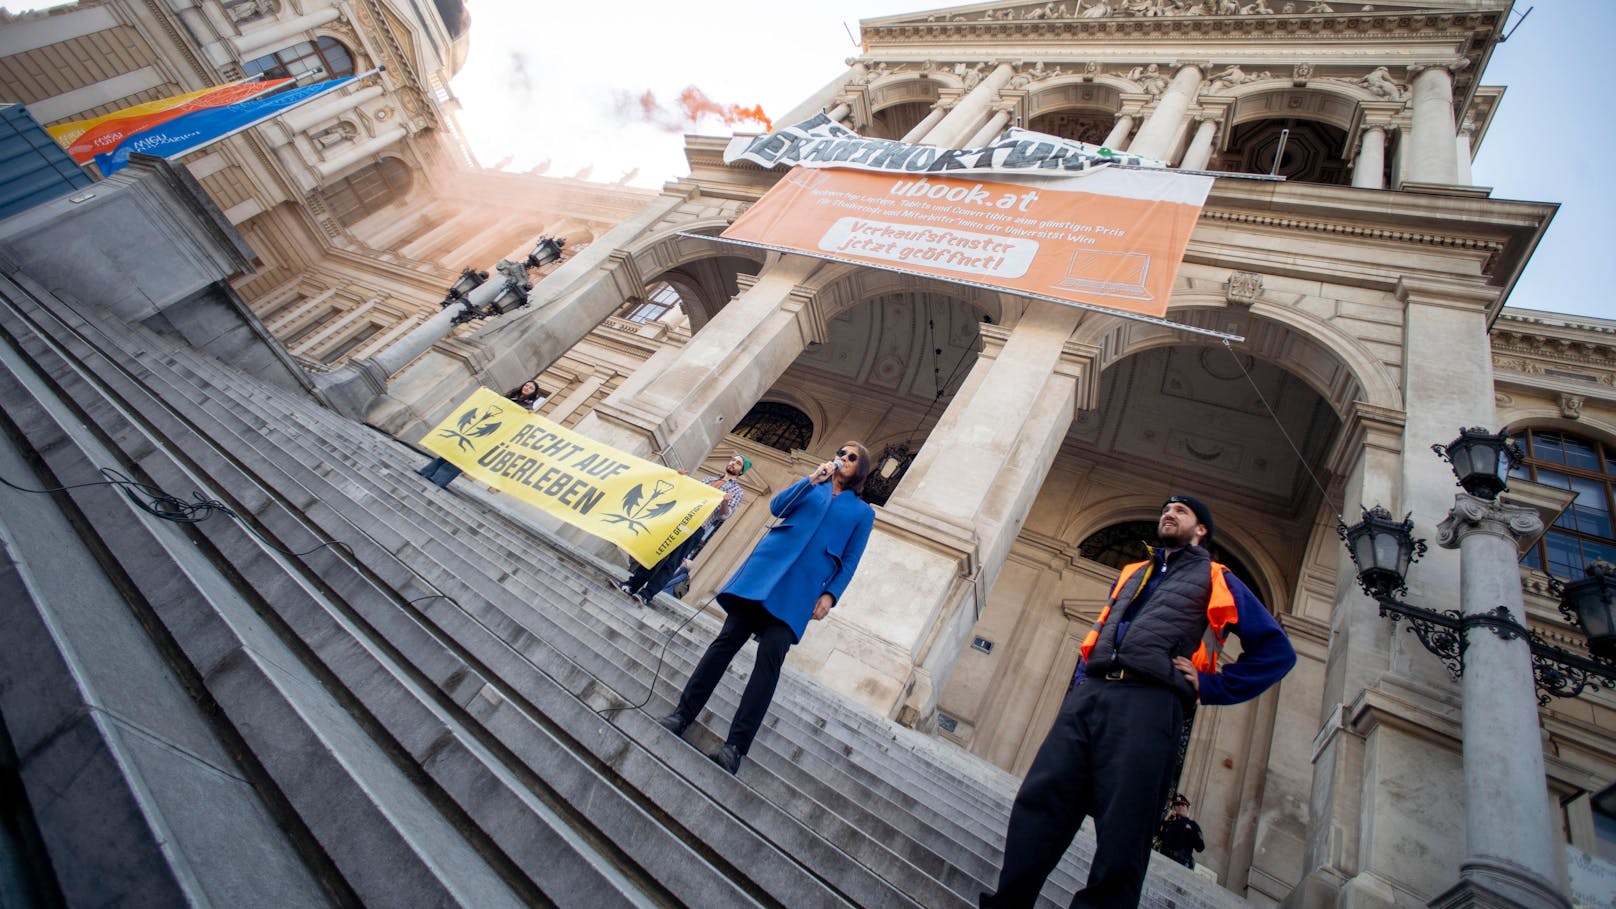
776 425
324 53
1583 534
365 192
660 299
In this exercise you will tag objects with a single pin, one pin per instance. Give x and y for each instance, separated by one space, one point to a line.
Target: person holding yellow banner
797 572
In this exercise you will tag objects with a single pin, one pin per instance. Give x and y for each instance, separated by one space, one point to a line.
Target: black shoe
674 723
728 758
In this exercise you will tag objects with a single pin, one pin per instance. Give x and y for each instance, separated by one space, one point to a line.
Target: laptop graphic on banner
1111 274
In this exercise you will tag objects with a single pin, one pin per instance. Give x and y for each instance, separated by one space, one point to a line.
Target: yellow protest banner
643 507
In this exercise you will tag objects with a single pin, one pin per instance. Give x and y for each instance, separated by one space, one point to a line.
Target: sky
593 92
557 83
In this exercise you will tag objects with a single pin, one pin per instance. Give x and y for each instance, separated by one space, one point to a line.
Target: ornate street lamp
1382 548
548 250
1590 604
1481 461
468 282
480 298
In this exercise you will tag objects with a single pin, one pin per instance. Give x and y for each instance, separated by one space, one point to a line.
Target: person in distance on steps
797 572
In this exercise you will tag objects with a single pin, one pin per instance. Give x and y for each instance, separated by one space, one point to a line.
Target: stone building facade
362 206
1022 445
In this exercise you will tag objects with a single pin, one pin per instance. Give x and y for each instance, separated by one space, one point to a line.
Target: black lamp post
1382 548
1481 461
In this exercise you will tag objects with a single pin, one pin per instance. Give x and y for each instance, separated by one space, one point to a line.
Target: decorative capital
1472 514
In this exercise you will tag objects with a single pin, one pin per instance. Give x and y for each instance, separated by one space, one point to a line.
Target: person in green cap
645 583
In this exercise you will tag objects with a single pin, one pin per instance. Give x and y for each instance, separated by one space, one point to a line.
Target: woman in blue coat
797 572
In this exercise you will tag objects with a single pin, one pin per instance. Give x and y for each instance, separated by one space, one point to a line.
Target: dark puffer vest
1172 623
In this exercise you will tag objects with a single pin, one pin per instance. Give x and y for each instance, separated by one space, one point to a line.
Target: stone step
790 877
984 868
823 761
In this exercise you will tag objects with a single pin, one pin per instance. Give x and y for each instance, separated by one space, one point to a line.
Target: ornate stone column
945 533
966 117
933 117
842 109
1197 156
684 399
1159 135
995 124
1431 142
1119 131
1369 169
1509 843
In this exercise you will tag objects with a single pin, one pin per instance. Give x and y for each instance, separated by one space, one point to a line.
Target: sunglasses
847 455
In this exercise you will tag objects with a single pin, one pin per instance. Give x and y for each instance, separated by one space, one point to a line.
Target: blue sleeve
1265 652
788 498
851 554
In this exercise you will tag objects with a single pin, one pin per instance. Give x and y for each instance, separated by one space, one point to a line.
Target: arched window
1583 534
776 425
660 299
368 191
325 53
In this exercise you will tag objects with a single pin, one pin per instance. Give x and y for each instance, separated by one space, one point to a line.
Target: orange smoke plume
691 107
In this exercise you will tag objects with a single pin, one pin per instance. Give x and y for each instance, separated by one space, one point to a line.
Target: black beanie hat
1203 514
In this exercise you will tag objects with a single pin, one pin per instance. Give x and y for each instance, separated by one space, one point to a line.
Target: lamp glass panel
1595 613
1387 554
1463 457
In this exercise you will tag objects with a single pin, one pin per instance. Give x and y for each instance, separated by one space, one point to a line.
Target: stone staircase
371 691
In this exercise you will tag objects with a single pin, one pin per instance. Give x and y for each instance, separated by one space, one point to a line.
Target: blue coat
814 548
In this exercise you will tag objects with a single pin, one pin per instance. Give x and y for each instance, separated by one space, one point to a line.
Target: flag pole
269 116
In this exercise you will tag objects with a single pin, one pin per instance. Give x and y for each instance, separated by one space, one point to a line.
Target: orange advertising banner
1113 238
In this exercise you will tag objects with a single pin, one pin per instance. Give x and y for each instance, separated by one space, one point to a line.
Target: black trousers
774 637
1108 756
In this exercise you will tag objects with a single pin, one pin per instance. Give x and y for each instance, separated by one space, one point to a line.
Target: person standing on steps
442 473
645 583
1151 657
797 572
1179 835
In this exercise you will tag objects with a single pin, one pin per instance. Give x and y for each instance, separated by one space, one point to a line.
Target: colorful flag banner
197 128
104 137
822 142
1112 239
66 133
644 508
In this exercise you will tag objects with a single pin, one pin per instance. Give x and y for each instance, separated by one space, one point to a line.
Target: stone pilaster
946 532
684 399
